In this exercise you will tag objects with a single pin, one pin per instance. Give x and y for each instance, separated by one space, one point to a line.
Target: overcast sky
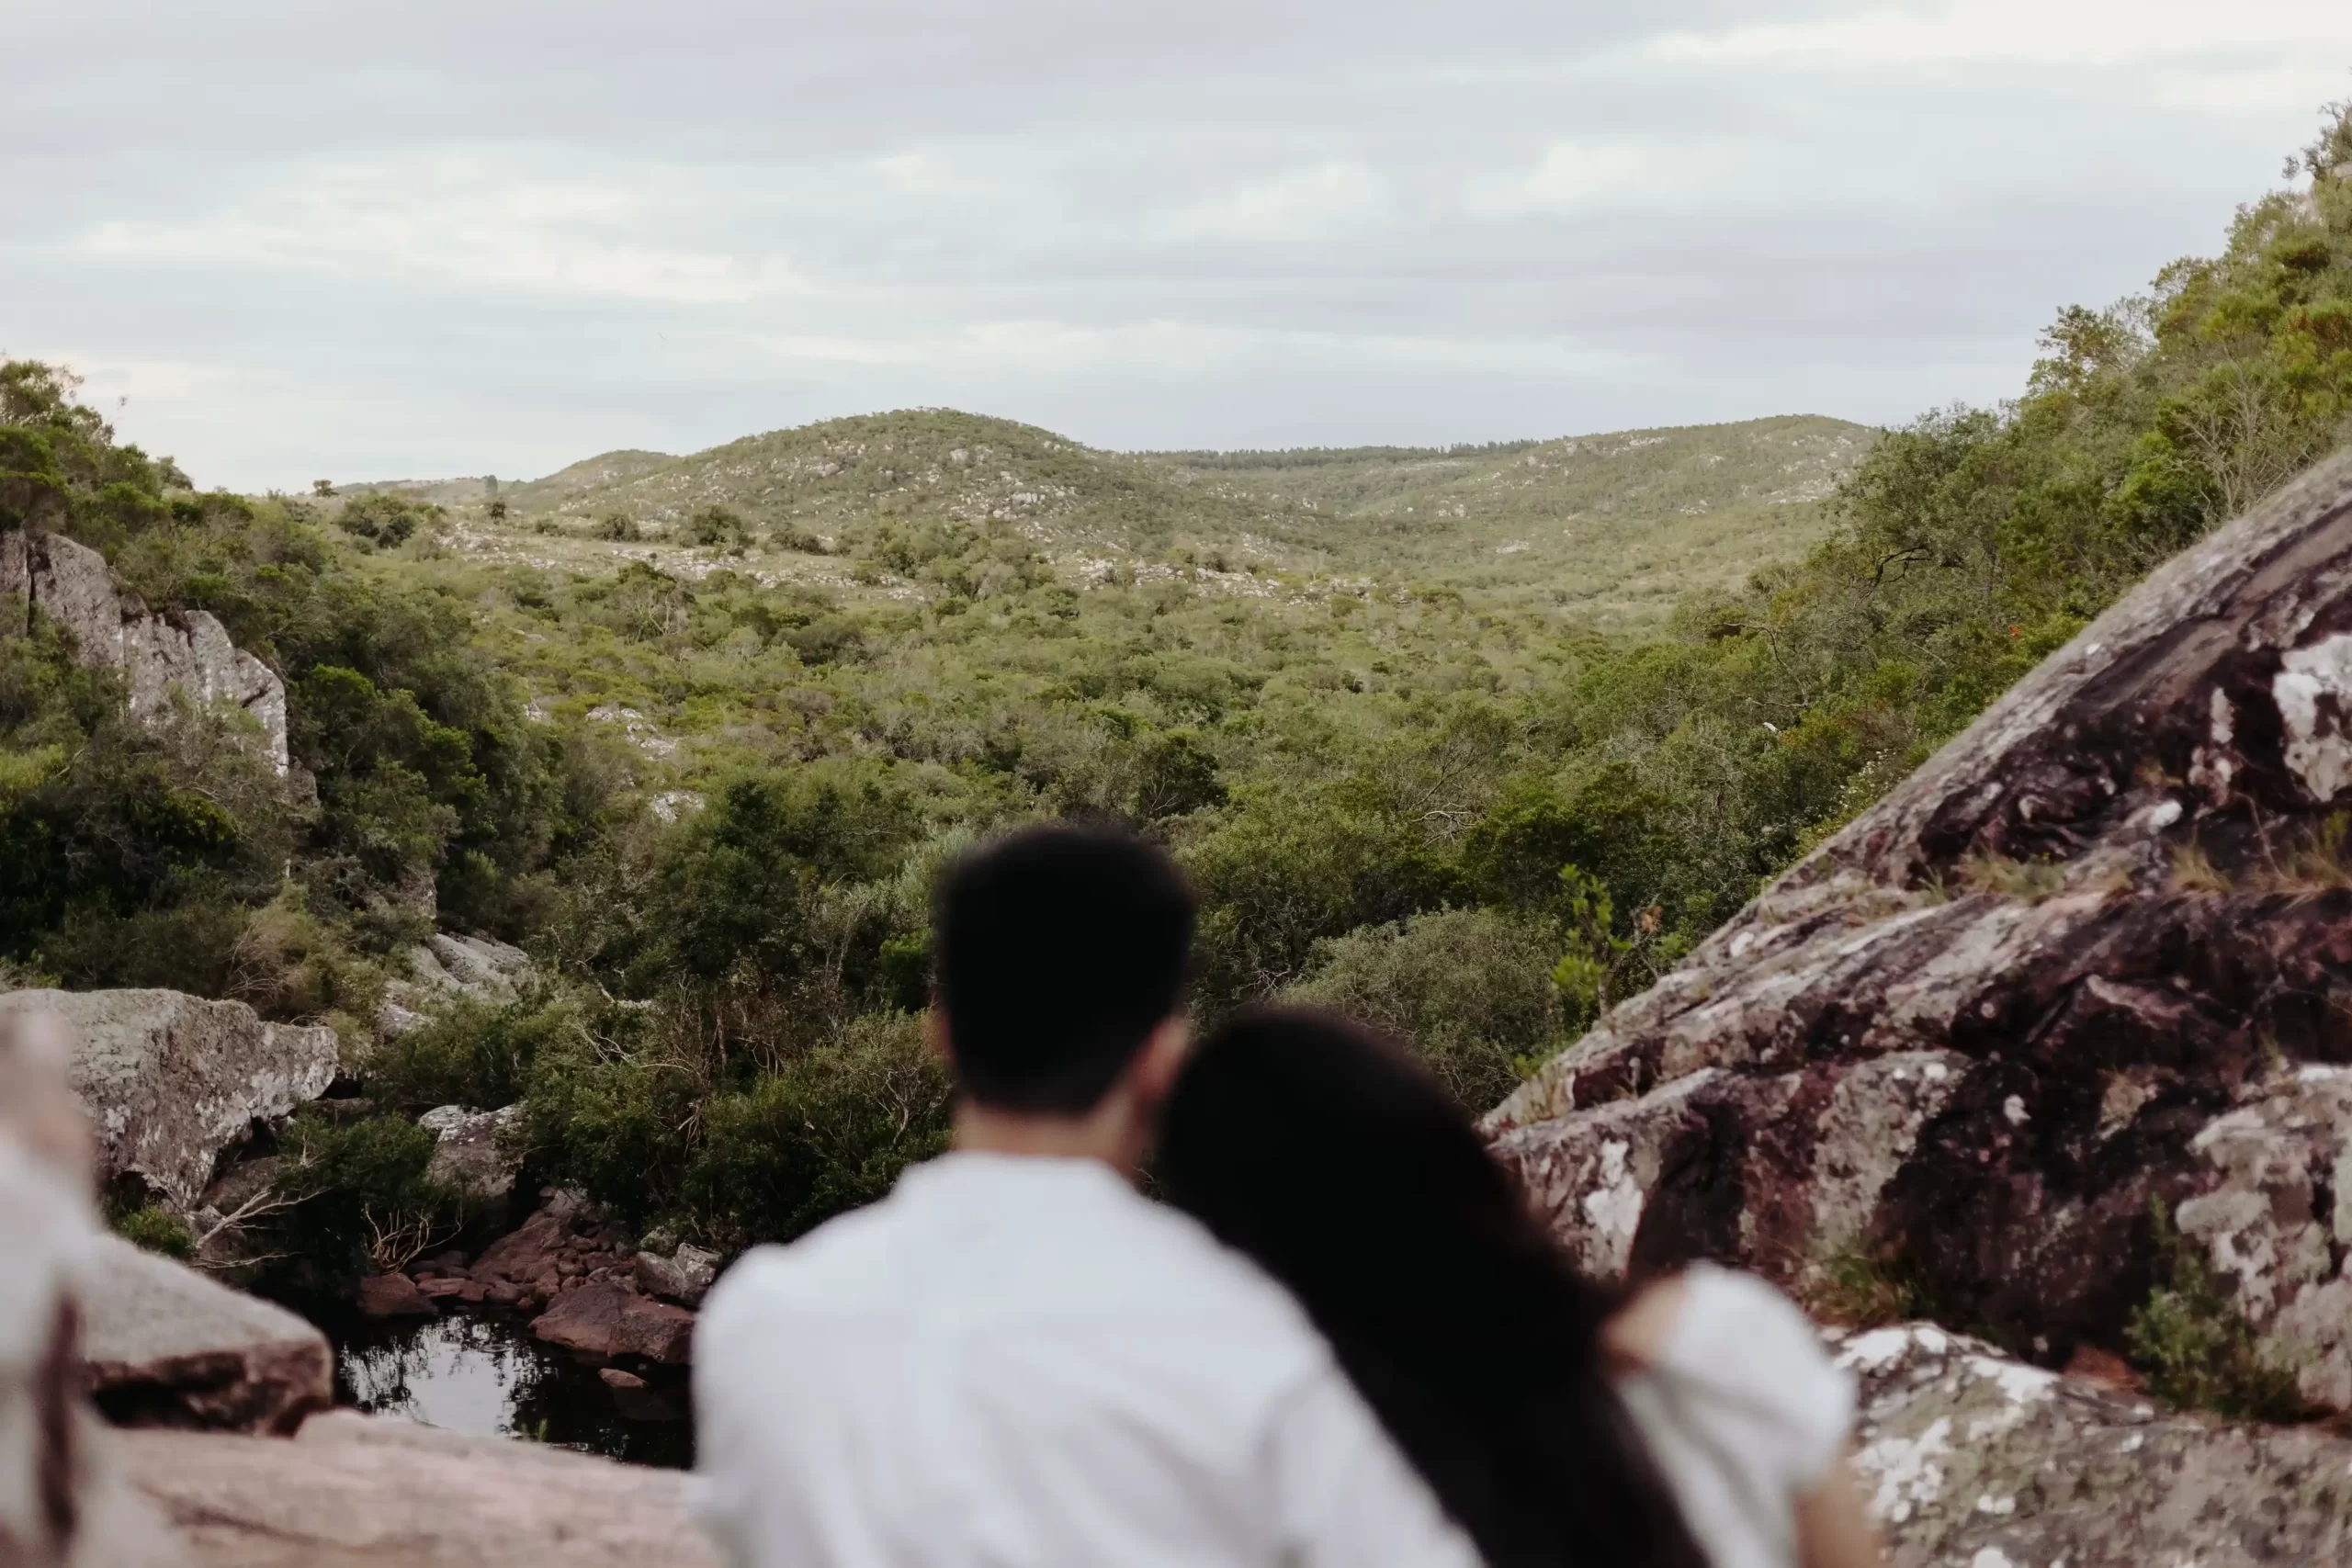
369 240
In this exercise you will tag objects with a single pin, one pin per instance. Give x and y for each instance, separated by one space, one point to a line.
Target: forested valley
1473 742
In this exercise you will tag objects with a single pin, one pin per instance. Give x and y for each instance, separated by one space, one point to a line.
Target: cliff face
156 652
2095 956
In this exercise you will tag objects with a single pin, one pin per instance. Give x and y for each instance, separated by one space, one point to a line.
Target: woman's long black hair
1339 1164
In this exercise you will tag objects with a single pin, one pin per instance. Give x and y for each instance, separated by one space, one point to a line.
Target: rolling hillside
1613 527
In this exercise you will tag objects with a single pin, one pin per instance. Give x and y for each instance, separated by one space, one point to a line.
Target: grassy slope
1612 528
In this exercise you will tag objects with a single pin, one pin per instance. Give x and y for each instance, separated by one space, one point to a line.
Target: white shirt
1020 1362
1744 1410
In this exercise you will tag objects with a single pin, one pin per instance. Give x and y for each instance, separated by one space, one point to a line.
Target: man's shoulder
839 1261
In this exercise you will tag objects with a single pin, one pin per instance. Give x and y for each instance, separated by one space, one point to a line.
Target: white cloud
1310 203
461 216
2029 32
466 242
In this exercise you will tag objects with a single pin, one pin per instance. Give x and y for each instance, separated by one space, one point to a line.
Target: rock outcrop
474 1149
1971 1460
362 1491
189 651
449 968
171 1081
684 1276
163 1346
2093 957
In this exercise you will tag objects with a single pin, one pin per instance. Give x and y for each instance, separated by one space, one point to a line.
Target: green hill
1612 528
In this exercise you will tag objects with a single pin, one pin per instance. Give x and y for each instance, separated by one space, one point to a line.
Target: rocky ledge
361 1492
2089 965
1972 1459
163 1346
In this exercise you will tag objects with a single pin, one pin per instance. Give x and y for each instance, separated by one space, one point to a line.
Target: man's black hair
1058 952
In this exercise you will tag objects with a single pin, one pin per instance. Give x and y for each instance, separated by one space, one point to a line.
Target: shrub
618 526
1470 989
2196 1347
473 1054
157 1228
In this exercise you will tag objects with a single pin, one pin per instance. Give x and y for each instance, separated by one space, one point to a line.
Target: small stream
483 1373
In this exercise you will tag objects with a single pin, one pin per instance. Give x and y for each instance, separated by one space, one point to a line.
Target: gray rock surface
171 1081
359 1491
1971 1460
684 1276
164 1346
2093 957
450 968
187 650
474 1149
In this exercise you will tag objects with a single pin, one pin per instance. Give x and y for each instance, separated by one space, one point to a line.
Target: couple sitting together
1337 1340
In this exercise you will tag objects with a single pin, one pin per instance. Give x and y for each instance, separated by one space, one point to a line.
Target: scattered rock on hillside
453 968
187 650
171 1081
2094 955
1972 1459
163 1346
353 1491
607 1319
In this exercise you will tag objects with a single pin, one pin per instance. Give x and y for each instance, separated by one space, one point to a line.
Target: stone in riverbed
606 1318
170 1081
394 1295
163 1346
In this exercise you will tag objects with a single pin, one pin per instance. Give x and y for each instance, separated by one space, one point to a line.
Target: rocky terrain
2082 979
188 652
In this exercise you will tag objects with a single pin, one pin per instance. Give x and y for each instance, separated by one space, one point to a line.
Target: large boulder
170 1081
183 650
1971 1460
474 1149
362 1491
607 1319
2092 961
164 1346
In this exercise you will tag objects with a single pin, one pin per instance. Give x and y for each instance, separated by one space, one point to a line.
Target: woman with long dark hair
1695 1423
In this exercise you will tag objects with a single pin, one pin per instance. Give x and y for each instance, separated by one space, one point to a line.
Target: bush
1470 989
157 1228
2196 1347
830 1130
357 1199
473 1054
385 519
618 526
716 525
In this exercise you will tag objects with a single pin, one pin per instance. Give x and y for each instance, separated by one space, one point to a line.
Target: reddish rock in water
620 1381
394 1295
607 1319
2094 958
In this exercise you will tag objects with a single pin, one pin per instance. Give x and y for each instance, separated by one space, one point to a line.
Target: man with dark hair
1015 1360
